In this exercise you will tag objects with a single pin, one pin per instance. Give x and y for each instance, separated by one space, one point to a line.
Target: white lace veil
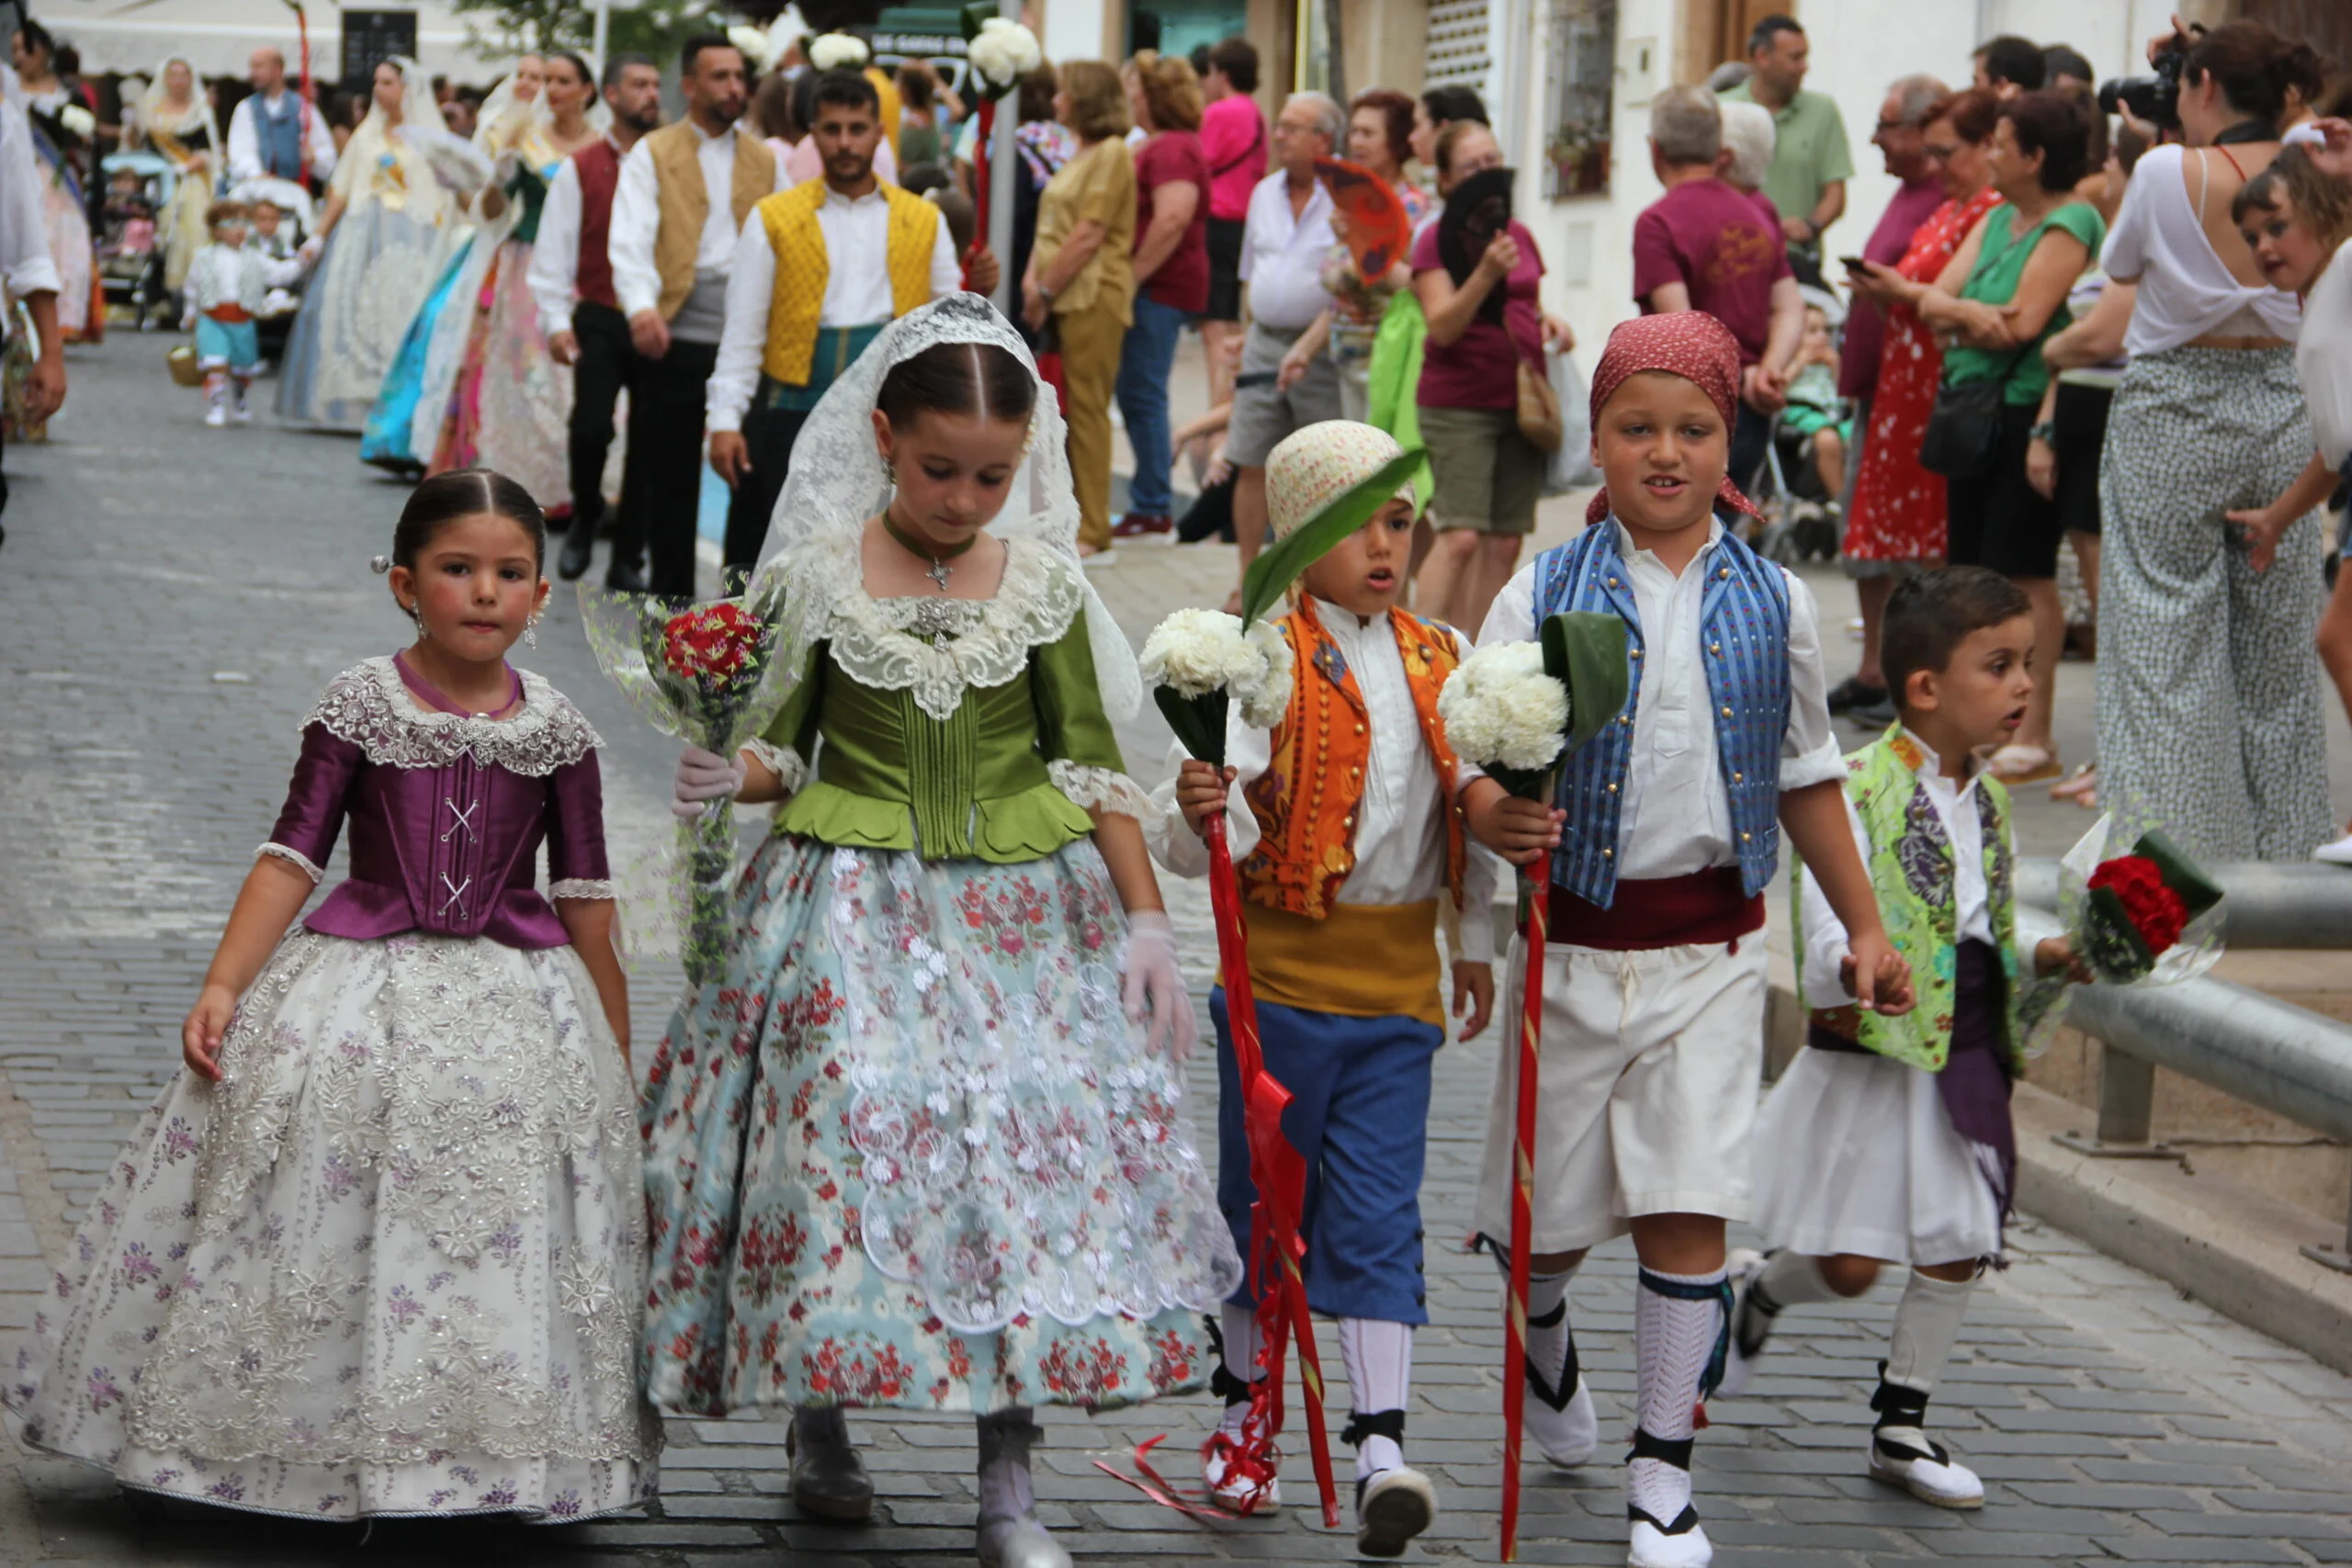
155 111
837 480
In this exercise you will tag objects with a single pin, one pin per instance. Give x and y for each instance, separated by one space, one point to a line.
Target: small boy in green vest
1888 1139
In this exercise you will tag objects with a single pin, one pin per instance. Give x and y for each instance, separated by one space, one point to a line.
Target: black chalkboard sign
368 39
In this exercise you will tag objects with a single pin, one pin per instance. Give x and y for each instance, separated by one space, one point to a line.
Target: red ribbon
986 162
1276 1252
1533 924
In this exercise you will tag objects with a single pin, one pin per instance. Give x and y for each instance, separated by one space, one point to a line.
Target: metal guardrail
2253 1047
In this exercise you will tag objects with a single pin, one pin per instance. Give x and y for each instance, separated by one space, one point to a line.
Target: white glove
1151 978
309 254
704 776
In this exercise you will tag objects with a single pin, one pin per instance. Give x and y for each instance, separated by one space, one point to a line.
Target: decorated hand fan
1378 231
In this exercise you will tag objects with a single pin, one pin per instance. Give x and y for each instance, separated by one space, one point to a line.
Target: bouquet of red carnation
694 673
2134 911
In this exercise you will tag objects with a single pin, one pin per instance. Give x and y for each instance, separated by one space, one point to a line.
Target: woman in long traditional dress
175 122
508 404
63 131
384 239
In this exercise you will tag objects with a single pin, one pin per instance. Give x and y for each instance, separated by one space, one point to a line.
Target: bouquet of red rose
694 674
2136 908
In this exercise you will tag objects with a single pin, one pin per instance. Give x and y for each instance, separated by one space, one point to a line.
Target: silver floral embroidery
369 706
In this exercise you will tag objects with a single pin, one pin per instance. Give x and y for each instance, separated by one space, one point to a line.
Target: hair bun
379 565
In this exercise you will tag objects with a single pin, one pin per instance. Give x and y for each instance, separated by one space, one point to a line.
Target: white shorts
1646 1090
1856 1154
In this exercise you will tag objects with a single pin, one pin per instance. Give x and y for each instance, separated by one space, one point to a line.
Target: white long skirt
1856 1154
391 1265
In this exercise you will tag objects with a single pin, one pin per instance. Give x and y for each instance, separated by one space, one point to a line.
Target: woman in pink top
1235 145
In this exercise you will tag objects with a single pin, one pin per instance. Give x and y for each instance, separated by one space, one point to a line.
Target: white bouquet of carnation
78 120
1001 54
752 44
1200 660
1505 711
839 51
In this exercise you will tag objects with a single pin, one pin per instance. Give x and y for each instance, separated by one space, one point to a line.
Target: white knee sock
1379 1357
1926 1325
1238 1327
1548 1345
1674 1339
1004 1439
1792 1279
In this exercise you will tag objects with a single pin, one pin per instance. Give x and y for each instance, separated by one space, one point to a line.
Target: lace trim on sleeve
1101 789
307 866
580 887
782 760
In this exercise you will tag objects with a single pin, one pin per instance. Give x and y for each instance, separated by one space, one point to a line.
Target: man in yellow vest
821 269
683 193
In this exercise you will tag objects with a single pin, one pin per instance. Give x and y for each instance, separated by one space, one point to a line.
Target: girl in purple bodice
379 1249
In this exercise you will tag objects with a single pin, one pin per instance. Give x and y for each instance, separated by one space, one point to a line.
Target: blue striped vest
1744 623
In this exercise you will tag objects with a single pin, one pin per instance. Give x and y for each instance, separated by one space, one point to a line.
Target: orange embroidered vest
1305 800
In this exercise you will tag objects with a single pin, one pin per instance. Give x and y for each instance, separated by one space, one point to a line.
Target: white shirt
857 291
1956 809
1282 255
245 140
1400 817
1673 774
25 259
554 277
2323 358
221 275
2185 292
637 215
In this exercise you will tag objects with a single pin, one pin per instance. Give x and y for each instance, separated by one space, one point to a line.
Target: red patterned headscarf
1689 343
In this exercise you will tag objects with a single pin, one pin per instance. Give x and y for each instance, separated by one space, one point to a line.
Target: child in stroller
131 255
277 215
1812 439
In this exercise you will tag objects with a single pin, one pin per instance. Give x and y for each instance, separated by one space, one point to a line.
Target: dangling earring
890 473
531 630
420 632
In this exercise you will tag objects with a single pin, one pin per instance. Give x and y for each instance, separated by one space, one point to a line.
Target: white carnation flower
1501 709
1002 53
1264 696
838 52
1198 651
78 120
752 44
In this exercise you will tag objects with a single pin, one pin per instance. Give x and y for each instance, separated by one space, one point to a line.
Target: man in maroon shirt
1704 246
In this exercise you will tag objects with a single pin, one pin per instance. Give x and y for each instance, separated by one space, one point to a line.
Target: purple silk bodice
447 810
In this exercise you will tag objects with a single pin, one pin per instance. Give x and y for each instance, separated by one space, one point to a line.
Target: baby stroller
1802 520
131 250
276 319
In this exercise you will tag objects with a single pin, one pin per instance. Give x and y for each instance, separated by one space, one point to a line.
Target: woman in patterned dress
1897 526
913 1146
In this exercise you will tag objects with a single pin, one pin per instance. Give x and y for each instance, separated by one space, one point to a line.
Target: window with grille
1457 45
1579 97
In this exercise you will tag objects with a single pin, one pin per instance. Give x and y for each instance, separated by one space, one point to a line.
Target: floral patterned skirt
389 1266
907 1150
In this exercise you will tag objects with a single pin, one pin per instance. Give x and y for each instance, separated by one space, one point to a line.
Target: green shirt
2000 266
1808 150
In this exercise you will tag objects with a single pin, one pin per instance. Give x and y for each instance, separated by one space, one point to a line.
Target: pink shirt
1716 243
1233 141
1480 369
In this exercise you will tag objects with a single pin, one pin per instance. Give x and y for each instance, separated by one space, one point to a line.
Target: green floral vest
1911 867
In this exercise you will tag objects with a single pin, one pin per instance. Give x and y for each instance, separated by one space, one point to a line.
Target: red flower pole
1279 1176
1534 921
982 168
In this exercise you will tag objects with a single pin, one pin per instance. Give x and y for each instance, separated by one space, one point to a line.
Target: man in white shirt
571 284
275 134
684 194
26 267
1284 242
854 255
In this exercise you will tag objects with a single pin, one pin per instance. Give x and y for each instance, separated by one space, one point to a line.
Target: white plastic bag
1570 468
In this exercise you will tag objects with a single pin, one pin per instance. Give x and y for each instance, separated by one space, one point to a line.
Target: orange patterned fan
1378 231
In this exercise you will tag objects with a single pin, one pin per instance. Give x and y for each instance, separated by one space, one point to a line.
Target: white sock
1004 1439
1674 1339
1238 1327
1790 1278
1548 1347
1926 1325
1379 1357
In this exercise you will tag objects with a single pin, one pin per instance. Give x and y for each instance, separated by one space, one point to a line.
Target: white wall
1074 31
1858 47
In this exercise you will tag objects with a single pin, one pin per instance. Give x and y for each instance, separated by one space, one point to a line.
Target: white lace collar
874 641
369 706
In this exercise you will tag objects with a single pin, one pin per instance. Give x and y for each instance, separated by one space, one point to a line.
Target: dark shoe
579 550
1138 524
622 577
1872 716
1851 693
829 1479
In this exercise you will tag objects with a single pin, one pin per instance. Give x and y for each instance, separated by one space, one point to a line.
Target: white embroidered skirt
1856 1154
391 1265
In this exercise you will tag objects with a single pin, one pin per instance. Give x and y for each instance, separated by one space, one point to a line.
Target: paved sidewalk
172 598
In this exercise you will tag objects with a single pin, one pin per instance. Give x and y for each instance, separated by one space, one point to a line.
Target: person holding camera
2210 707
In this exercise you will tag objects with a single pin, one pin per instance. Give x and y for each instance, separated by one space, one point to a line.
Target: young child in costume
1661 839
378 1250
226 284
914 1146
1888 1139
1348 849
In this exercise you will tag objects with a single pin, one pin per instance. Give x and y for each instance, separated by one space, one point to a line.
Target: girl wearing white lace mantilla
378 1249
915 1146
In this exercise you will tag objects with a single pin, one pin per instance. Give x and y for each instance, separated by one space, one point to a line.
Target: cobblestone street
172 598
